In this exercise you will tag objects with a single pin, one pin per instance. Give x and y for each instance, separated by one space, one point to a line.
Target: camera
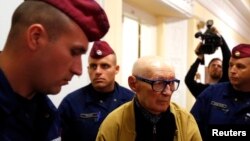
210 40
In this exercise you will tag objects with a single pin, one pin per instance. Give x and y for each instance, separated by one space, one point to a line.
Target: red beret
241 51
100 49
88 14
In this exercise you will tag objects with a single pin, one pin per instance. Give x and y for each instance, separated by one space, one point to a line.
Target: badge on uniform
91 116
247 116
220 106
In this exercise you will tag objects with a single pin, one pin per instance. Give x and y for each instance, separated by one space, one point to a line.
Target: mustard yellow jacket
119 125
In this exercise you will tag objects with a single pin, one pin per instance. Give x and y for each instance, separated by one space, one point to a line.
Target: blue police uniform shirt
26 120
221 105
83 110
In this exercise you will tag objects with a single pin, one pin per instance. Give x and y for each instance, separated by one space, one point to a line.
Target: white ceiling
243 6
176 8
234 13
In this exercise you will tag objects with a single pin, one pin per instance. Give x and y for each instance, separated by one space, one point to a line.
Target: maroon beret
88 14
100 49
241 51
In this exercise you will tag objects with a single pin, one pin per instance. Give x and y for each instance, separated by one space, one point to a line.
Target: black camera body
210 40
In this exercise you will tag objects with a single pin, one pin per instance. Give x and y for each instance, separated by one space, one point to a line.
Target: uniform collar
232 93
8 99
94 96
11 101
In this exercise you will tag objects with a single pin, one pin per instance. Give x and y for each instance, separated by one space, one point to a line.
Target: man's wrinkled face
155 102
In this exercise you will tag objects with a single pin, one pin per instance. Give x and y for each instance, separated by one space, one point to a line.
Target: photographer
215 72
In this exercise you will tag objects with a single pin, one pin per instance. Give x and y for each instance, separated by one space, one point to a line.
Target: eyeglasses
160 85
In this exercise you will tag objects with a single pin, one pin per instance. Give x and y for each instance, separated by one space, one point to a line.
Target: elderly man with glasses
151 115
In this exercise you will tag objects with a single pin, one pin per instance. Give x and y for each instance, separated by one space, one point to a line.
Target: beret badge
99 52
237 53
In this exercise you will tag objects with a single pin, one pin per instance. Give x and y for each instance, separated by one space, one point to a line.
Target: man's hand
198 52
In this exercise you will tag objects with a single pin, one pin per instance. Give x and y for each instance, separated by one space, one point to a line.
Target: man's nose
167 90
77 67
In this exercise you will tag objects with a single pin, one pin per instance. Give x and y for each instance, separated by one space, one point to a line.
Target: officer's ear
132 83
36 36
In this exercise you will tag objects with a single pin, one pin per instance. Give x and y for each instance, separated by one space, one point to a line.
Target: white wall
129 49
139 39
6 10
176 54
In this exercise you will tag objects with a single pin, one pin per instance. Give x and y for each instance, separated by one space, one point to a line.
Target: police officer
42 53
83 110
226 104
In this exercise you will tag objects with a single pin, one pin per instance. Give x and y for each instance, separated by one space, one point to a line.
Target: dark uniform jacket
220 105
26 120
195 87
83 110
